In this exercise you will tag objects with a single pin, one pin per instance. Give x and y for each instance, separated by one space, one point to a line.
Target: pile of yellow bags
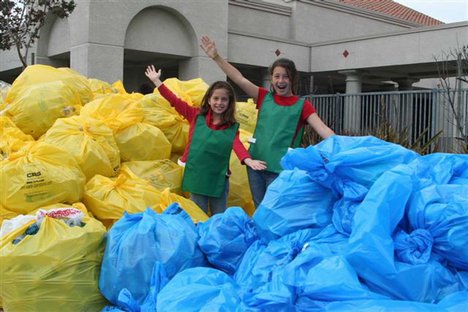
69 141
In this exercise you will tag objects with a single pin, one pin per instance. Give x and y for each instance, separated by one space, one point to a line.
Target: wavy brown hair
228 116
290 69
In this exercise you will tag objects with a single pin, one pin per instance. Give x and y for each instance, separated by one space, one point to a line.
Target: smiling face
219 101
281 82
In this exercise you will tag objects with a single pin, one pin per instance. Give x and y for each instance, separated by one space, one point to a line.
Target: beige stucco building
337 47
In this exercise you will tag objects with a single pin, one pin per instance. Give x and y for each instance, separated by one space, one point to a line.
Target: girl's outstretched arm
233 73
244 155
319 126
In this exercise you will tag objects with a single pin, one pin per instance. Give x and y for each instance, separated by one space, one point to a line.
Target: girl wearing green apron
281 116
213 134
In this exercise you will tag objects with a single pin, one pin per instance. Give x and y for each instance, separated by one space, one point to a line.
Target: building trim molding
262 6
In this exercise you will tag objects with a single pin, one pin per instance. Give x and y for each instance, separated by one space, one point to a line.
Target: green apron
274 134
208 159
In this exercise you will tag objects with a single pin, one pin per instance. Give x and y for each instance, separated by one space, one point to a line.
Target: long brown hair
290 68
228 117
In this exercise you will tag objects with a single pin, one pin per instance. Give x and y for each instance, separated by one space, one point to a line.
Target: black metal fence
434 119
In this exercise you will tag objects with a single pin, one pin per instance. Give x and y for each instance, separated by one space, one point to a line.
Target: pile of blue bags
352 223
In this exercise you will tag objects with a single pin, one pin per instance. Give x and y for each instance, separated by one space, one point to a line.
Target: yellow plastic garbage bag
108 198
246 115
136 140
12 139
6 215
39 175
57 269
37 107
192 209
90 141
142 141
119 87
239 190
117 111
100 87
43 74
161 174
191 91
160 114
9 128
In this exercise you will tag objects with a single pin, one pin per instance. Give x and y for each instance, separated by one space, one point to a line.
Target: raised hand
153 75
209 47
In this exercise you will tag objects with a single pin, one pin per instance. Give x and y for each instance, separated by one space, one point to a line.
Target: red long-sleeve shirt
190 113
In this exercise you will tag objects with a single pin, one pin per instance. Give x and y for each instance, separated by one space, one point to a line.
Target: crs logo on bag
33 174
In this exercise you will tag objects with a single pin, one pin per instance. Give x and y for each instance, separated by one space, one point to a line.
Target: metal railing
435 119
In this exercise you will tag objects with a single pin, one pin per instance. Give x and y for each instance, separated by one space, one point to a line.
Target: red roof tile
394 9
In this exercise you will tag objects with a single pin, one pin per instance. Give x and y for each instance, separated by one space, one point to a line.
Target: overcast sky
447 11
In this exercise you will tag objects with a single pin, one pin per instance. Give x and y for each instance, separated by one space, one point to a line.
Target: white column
266 79
405 84
352 105
353 81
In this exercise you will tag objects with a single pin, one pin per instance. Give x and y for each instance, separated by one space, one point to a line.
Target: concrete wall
108 28
257 18
407 47
115 39
319 21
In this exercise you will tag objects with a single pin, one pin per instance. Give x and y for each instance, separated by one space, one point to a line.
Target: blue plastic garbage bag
334 279
243 275
343 215
321 274
138 242
347 166
293 202
414 248
455 302
260 274
381 306
309 159
225 237
437 210
371 247
175 209
158 281
346 192
441 168
442 212
463 278
312 161
199 289
436 220
358 159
